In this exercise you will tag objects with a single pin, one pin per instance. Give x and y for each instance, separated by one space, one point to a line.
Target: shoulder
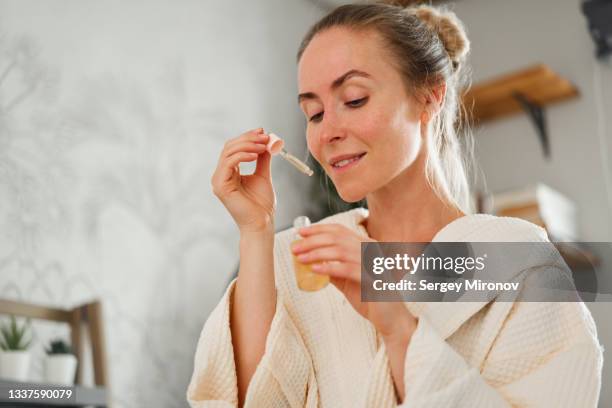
491 228
542 330
510 259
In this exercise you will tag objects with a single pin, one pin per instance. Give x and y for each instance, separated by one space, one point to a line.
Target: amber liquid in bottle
306 279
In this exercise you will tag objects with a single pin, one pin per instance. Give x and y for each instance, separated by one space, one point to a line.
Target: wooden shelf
497 98
87 316
576 255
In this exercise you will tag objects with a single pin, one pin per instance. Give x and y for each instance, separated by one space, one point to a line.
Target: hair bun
399 3
450 30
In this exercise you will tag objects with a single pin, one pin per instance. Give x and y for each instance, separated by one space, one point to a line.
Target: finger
312 242
330 253
264 162
228 167
245 146
252 135
255 131
321 228
338 270
259 138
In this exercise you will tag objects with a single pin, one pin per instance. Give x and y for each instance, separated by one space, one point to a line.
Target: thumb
263 165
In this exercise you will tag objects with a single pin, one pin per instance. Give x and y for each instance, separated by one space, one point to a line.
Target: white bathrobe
321 353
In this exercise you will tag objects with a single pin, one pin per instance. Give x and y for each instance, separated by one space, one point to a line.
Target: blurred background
112 116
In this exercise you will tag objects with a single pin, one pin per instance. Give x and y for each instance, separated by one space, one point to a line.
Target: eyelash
360 102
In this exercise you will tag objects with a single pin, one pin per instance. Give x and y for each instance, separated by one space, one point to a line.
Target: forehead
336 50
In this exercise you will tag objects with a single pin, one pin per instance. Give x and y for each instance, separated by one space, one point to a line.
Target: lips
345 160
334 160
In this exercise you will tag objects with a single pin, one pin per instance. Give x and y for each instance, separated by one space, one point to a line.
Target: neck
407 209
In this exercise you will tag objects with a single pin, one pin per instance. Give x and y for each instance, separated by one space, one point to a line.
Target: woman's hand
335 250
249 199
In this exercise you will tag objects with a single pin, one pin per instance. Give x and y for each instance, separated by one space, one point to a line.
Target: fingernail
316 267
296 248
302 257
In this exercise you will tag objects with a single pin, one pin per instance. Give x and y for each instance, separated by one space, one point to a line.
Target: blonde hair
429 46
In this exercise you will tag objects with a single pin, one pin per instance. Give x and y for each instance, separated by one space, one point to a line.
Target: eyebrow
336 84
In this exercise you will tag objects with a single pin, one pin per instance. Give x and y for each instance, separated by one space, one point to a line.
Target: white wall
511 35
105 164
507 36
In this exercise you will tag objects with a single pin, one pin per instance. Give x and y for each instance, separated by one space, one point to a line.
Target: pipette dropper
276 146
301 166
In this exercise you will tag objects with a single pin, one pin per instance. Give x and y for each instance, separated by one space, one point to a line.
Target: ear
433 100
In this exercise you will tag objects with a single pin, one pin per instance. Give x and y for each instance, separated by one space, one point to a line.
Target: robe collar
447 317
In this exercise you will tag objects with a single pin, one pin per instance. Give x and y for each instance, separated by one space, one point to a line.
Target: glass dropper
276 146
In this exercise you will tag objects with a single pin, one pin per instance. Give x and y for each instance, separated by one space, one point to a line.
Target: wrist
256 240
259 230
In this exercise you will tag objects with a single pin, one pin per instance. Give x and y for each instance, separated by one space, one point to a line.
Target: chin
351 195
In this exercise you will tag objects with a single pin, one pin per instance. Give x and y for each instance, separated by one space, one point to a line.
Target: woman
379 86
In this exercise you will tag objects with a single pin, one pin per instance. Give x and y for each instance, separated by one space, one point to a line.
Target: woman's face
365 117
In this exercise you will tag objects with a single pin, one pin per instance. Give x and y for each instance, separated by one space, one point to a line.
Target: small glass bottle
306 279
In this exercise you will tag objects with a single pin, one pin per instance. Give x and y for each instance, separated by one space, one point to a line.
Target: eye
315 118
357 102
354 104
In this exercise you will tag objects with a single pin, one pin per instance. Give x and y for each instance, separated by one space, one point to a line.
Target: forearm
396 345
253 305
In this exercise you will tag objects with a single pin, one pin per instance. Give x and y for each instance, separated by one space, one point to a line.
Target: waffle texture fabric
321 353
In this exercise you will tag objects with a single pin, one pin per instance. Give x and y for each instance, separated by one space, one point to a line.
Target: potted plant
61 363
15 357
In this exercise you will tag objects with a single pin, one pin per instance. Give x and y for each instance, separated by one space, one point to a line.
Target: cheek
313 145
399 142
391 132
372 127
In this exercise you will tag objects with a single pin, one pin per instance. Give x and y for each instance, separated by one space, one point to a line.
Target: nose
331 129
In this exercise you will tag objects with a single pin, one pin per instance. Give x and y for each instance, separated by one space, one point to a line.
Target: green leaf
59 346
26 345
13 336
